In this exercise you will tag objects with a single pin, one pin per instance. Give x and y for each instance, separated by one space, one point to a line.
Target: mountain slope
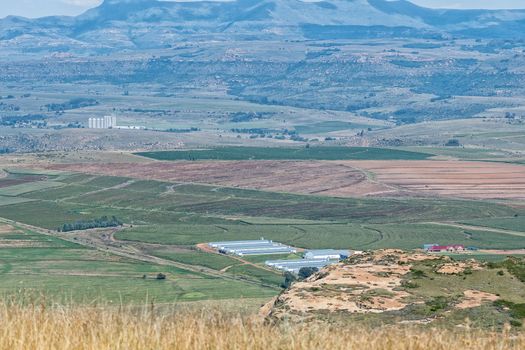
139 24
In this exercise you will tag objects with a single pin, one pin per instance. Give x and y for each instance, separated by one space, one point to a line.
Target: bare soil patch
475 298
454 268
5 228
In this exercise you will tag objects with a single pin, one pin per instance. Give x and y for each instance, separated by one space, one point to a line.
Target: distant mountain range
147 24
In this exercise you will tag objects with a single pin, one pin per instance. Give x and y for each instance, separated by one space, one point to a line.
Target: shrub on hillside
306 272
289 278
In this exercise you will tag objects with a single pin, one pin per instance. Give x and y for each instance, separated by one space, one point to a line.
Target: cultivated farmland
357 178
40 265
312 177
166 220
479 180
282 153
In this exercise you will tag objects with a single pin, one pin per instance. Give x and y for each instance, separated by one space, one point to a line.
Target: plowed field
458 179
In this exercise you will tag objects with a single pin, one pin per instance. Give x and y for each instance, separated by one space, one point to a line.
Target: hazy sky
39 8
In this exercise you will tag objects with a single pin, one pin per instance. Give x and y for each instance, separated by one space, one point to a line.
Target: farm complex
315 259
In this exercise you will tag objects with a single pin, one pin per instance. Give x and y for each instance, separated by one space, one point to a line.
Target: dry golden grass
39 327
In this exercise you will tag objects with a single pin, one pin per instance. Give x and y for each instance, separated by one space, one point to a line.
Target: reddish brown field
7 182
475 180
327 178
478 180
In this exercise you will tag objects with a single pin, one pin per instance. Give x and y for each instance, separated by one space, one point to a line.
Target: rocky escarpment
391 286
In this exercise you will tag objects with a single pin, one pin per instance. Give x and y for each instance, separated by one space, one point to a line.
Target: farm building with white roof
324 254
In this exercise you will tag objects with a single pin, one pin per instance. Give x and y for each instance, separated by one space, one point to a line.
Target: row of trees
79 102
88 224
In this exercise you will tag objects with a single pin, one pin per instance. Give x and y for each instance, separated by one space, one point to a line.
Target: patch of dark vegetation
310 55
89 224
438 303
409 64
248 116
453 143
418 273
306 272
289 278
14 120
182 131
75 103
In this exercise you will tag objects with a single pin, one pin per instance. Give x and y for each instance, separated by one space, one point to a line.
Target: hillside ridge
146 24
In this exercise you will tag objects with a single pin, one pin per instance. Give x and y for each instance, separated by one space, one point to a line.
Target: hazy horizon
36 8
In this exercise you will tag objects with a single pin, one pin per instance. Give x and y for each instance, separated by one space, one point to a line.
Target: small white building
324 254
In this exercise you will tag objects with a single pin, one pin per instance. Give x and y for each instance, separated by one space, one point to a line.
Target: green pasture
12 200
488 280
343 236
153 202
329 126
67 272
514 223
304 220
28 187
268 277
212 261
281 153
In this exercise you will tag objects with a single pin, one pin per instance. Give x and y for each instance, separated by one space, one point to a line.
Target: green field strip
20 189
313 153
13 200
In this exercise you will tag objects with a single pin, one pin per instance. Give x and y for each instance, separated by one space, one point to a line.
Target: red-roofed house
453 248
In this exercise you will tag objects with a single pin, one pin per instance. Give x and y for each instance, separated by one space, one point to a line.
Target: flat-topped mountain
139 24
